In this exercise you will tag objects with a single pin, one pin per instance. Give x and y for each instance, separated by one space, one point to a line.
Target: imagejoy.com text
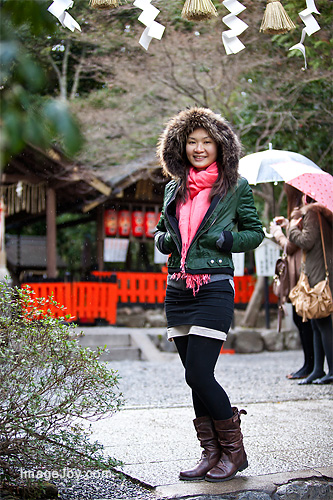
65 473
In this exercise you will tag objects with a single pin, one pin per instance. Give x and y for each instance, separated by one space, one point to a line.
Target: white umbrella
274 165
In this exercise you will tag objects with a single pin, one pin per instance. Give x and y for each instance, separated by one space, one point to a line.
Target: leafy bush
49 388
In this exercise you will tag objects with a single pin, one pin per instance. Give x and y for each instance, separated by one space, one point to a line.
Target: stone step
113 340
119 348
119 345
122 343
122 353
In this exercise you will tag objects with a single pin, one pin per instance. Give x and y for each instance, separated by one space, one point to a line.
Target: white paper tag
147 17
156 30
58 9
230 41
145 39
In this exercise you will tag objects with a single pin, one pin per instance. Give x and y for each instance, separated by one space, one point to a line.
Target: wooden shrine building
38 185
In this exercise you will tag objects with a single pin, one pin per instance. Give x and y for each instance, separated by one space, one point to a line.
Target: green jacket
235 217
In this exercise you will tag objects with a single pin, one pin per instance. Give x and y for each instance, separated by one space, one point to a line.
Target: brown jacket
308 238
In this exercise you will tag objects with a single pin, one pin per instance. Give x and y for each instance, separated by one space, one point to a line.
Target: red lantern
150 224
137 223
124 223
110 222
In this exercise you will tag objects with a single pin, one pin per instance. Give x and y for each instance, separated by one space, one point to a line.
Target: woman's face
201 149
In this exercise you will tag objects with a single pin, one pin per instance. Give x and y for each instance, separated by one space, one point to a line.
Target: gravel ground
247 378
115 488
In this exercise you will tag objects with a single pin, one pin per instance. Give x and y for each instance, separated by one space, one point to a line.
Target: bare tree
77 64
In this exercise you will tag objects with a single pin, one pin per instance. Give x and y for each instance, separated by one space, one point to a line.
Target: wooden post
100 238
3 259
51 233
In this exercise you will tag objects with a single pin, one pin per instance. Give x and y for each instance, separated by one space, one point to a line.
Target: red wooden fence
91 300
150 287
83 301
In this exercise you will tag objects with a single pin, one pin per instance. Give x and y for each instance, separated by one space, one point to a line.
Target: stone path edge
267 483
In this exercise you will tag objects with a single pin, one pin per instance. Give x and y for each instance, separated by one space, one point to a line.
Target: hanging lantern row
275 20
126 223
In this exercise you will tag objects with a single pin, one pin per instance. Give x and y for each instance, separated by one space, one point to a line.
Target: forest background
105 99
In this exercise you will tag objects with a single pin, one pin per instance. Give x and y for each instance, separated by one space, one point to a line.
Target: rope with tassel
104 4
198 10
276 21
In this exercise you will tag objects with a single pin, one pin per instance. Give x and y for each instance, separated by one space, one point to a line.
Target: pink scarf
190 215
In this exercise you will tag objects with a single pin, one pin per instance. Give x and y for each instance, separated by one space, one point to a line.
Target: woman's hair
171 149
308 199
294 198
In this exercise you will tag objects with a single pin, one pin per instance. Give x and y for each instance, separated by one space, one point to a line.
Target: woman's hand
274 229
281 221
296 223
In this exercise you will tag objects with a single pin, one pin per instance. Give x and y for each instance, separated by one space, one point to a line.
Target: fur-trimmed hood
171 146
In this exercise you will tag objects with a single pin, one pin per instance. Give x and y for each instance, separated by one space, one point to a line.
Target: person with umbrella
208 213
305 233
294 254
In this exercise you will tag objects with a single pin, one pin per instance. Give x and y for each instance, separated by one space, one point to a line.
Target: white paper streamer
147 17
58 9
311 26
229 38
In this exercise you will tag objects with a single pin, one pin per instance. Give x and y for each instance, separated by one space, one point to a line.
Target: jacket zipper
197 236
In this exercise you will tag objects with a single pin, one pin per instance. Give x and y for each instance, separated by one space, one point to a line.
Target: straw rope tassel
198 10
276 20
103 4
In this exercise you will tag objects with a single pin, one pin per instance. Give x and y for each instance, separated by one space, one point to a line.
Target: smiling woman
201 149
203 205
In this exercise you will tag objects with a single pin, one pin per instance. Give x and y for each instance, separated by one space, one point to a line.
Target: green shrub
50 387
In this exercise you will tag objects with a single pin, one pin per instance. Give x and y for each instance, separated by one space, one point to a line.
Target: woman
208 212
294 255
305 233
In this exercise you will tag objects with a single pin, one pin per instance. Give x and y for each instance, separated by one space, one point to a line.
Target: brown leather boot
211 450
233 457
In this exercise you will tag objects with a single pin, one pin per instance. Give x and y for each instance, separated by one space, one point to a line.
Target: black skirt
212 307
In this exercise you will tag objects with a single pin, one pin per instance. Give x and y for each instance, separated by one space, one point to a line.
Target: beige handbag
316 302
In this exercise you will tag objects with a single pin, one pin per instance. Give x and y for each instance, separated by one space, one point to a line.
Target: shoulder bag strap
322 242
303 261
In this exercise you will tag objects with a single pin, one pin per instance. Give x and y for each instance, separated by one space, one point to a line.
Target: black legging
199 356
306 336
323 346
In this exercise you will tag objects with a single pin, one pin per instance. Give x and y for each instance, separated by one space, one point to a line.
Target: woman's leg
199 356
319 356
199 408
204 427
306 336
324 325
